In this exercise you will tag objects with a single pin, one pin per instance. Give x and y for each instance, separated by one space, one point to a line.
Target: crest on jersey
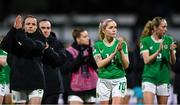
165 46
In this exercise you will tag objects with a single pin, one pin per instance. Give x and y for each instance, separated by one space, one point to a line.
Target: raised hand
18 22
119 46
161 46
173 46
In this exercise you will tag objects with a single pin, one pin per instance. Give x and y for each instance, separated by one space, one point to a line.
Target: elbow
173 62
100 65
146 61
126 66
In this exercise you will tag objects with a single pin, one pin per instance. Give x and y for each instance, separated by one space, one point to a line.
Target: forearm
104 62
172 57
125 59
29 43
57 59
3 61
148 59
7 42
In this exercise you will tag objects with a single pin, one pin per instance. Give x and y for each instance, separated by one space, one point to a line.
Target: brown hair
147 31
76 33
102 26
149 26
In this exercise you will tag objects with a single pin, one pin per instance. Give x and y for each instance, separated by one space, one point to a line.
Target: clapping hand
119 46
173 46
161 46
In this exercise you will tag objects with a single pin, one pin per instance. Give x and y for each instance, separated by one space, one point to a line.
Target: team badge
165 46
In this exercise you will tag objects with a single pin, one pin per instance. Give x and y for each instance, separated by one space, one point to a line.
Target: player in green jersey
111 56
157 50
4 78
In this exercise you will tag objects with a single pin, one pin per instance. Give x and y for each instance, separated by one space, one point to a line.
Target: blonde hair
147 31
150 25
102 26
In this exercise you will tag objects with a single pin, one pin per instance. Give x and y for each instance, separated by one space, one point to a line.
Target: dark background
143 8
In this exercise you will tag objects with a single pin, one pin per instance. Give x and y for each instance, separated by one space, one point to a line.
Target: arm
3 61
148 59
172 53
37 44
72 64
30 44
8 41
99 60
103 62
56 58
145 52
125 59
122 48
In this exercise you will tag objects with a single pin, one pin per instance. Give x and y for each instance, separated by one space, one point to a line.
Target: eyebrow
45 27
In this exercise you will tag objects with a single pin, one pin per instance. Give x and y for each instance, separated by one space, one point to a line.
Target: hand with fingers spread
18 22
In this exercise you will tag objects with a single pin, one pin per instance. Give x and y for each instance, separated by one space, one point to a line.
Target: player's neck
156 37
109 41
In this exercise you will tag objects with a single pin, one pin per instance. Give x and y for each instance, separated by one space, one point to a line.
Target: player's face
162 28
45 27
84 38
30 25
111 29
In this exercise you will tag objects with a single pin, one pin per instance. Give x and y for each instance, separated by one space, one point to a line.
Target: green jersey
4 70
114 69
158 70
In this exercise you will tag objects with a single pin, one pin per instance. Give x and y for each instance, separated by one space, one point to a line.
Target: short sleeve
96 50
125 48
143 45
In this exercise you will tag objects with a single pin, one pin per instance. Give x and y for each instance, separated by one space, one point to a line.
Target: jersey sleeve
3 53
125 48
143 45
96 50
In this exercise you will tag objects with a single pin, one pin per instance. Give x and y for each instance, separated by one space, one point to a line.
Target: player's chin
31 32
113 35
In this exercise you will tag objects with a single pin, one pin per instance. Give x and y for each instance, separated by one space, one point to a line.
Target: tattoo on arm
98 58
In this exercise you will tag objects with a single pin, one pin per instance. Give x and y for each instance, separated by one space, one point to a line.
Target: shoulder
68 54
168 37
124 42
71 50
145 39
98 42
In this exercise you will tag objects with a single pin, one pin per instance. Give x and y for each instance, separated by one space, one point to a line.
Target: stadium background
131 15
